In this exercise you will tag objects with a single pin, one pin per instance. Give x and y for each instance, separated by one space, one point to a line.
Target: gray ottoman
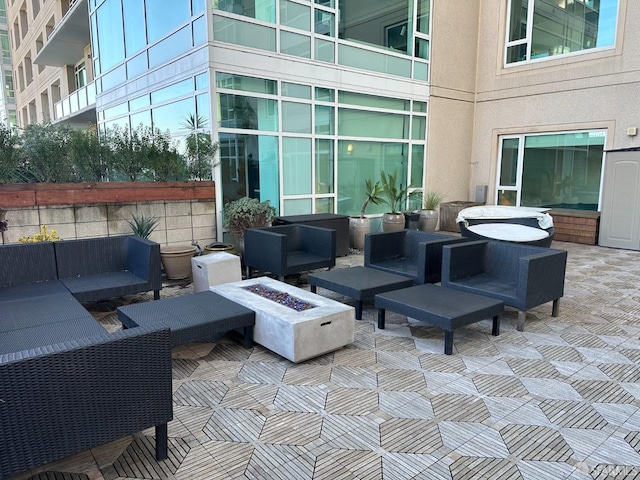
359 283
441 307
199 317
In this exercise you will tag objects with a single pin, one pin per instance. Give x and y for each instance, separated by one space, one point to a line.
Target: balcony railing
80 100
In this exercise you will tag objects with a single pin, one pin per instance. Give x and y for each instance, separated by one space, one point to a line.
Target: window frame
529 34
520 161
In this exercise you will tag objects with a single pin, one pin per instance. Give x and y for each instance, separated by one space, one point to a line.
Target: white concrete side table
215 269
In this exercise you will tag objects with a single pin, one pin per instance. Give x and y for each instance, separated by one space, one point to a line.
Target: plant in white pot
360 226
429 214
395 197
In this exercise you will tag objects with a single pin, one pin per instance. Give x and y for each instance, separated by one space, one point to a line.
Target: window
546 28
552 170
81 75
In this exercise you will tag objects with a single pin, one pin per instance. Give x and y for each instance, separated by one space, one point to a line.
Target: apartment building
308 98
7 95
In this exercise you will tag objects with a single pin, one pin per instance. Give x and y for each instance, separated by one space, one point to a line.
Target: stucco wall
451 104
596 90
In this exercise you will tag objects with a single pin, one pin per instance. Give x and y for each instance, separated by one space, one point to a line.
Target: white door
620 215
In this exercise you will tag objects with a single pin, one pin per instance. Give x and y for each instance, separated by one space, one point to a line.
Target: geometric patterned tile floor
559 400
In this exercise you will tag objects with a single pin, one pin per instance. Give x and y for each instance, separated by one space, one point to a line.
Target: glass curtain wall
310 149
129 37
388 36
546 28
561 170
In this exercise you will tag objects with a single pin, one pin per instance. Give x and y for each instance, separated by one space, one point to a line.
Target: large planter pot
428 220
392 222
176 260
358 228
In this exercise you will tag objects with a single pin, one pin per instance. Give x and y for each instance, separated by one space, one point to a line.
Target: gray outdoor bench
440 307
359 283
199 317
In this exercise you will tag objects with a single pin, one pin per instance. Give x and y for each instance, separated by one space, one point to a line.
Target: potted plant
395 197
142 226
360 226
246 213
429 214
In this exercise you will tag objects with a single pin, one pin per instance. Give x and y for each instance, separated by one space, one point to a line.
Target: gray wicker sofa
66 384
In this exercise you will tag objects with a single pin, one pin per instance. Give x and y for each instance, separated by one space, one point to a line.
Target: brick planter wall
577 226
186 210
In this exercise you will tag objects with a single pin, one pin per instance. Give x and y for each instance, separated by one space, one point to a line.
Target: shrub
247 213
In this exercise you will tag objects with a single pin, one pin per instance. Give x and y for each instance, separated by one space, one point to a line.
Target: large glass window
560 170
546 28
249 167
258 9
328 142
359 161
250 113
134 28
163 16
389 25
110 34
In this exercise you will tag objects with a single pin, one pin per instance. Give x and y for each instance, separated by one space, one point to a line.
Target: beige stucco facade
589 90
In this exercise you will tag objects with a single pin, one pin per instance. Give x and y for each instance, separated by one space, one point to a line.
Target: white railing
79 100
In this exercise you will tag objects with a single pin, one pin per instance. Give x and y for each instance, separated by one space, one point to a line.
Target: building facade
308 99
7 95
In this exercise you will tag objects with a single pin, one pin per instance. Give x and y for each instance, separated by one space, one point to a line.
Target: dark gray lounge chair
521 276
413 254
288 249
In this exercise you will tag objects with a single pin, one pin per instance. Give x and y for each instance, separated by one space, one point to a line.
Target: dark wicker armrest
541 276
265 249
383 246
317 240
143 260
463 260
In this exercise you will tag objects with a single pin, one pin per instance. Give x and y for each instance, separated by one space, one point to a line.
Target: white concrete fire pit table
296 335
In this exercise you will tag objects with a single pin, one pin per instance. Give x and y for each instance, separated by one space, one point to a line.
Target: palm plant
393 195
143 226
372 194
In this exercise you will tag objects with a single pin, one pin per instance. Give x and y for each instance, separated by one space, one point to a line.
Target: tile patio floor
560 400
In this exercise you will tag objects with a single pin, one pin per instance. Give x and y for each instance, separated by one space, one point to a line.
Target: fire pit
297 335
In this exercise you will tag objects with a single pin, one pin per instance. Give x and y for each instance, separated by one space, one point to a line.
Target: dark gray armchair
521 276
288 249
417 255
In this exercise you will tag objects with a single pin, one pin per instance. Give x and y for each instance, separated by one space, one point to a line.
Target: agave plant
142 225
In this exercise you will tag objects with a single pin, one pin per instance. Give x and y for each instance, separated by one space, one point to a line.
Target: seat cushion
40 289
104 285
19 314
400 266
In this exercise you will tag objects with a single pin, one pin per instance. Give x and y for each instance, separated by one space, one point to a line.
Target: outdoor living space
558 400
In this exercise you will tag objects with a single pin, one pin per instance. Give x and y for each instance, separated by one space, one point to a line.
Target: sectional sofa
66 384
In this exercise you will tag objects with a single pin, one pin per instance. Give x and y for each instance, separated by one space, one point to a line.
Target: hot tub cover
503 212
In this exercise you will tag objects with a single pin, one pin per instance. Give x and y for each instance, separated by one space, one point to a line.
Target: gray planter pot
428 220
392 222
358 228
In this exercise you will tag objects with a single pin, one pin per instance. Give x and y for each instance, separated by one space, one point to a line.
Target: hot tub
523 225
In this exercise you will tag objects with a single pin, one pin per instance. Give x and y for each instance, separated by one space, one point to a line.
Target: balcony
66 43
79 107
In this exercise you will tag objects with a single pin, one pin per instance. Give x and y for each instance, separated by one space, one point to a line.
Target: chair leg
555 310
248 337
161 442
248 271
521 316
156 294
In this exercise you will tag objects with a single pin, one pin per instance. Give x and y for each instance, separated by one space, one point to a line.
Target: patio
559 400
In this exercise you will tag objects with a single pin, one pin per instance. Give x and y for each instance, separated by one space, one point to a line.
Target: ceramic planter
176 260
392 222
358 228
428 220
